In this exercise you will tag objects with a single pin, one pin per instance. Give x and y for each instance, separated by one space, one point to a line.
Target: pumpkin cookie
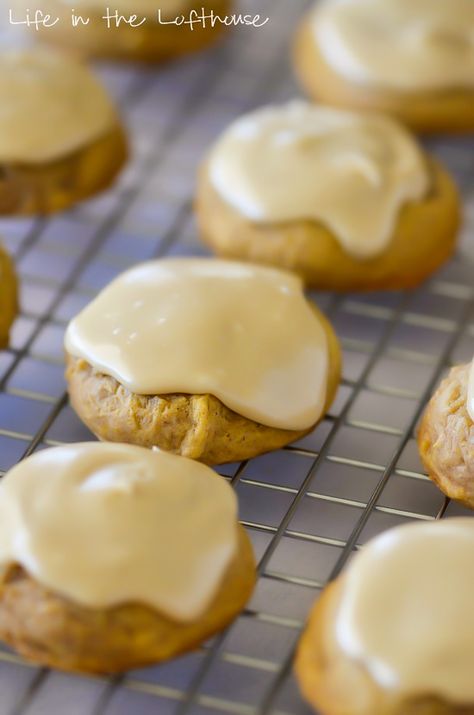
446 435
60 137
160 38
390 636
348 201
90 536
8 296
214 360
411 58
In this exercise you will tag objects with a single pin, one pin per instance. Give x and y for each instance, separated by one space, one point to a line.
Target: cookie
214 360
158 39
349 201
411 58
88 554
8 296
389 636
446 436
61 140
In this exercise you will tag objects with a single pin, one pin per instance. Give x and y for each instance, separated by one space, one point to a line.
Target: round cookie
8 296
175 354
152 41
107 596
348 201
61 140
446 436
389 637
409 58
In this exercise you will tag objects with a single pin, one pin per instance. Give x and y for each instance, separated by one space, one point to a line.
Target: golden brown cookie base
424 239
446 438
52 630
428 112
336 685
195 426
149 43
8 297
42 189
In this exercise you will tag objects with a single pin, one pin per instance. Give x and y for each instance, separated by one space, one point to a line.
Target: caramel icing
109 524
405 611
470 393
243 333
404 45
351 172
50 107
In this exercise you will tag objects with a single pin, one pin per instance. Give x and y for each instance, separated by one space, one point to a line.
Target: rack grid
307 507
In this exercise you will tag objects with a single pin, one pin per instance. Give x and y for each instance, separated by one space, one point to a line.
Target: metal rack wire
306 507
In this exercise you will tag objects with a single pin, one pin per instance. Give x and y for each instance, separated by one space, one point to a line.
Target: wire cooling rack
306 507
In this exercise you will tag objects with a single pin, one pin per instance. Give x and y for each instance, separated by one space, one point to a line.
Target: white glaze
108 524
245 334
50 106
351 172
405 611
404 45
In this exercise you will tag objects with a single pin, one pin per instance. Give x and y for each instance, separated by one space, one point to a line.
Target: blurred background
306 507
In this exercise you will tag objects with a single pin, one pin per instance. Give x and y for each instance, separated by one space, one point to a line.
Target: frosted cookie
113 557
8 296
214 360
349 201
60 137
446 435
411 58
394 635
158 39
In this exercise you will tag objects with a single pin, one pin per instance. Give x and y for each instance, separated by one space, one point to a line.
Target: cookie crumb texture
194 426
199 427
54 631
446 438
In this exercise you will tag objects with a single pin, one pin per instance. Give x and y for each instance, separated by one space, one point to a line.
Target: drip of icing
406 45
405 611
351 172
109 524
51 107
245 334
